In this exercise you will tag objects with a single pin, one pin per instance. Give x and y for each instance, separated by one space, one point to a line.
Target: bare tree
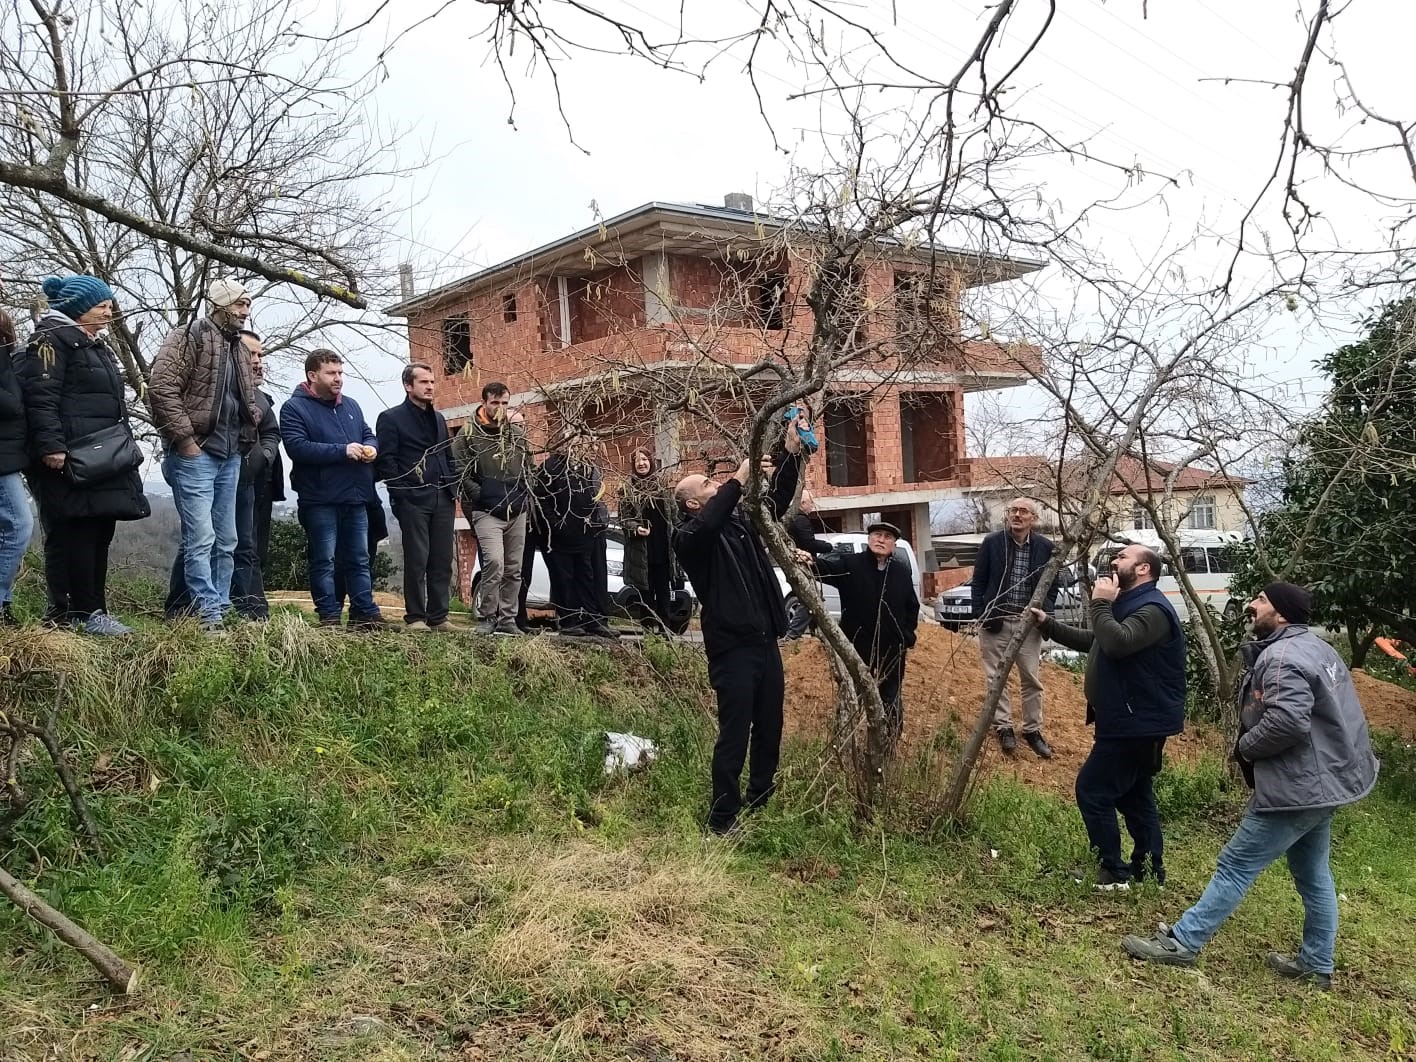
166 143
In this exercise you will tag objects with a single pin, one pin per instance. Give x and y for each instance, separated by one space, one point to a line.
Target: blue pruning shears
807 435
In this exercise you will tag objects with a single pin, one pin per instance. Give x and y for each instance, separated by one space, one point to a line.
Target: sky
1145 91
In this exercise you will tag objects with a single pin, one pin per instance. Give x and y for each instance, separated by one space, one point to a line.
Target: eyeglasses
1020 509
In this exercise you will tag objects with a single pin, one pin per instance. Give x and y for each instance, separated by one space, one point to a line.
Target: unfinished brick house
644 327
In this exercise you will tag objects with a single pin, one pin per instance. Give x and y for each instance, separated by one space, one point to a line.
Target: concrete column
923 540
657 298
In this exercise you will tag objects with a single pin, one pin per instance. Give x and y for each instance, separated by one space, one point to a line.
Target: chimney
739 201
405 279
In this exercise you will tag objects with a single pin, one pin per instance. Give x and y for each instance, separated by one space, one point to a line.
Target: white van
1206 556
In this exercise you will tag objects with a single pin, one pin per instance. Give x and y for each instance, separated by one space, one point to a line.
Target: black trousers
427 558
750 686
76 565
575 588
248 596
264 505
534 544
889 670
1118 776
656 597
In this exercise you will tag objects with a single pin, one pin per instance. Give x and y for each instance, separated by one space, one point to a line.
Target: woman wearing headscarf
646 513
82 476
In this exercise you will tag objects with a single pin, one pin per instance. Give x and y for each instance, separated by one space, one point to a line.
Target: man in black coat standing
743 616
879 611
1007 571
569 492
416 466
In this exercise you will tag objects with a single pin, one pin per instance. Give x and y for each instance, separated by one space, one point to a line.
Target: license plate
955 610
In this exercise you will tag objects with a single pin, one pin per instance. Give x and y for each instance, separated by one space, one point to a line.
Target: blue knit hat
76 295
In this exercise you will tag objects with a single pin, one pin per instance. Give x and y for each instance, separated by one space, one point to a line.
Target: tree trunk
1361 644
116 972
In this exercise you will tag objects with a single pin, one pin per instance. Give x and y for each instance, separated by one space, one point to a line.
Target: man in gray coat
1304 749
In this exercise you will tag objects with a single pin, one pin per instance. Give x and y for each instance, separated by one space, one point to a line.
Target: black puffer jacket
14 455
730 571
72 388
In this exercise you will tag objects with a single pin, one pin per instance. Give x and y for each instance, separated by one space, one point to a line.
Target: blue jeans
204 491
338 534
1306 838
16 526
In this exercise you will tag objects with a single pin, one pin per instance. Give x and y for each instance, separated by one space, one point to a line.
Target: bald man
743 616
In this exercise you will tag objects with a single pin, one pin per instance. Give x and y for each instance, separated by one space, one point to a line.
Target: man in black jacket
879 611
1006 574
569 493
742 619
415 464
1135 687
269 481
248 595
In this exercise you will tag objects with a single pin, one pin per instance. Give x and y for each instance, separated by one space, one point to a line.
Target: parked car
954 607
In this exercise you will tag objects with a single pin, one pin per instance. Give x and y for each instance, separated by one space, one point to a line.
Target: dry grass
519 951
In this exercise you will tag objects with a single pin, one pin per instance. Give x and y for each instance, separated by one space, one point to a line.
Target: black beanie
1293 602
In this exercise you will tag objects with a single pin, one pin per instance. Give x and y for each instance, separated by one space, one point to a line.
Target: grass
329 847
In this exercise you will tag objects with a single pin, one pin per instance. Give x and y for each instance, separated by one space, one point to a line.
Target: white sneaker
105 626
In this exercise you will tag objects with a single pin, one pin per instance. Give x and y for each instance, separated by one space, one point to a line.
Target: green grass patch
391 847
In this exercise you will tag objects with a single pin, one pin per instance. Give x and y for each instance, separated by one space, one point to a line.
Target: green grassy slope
385 847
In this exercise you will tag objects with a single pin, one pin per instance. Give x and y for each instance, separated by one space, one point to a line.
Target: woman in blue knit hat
73 390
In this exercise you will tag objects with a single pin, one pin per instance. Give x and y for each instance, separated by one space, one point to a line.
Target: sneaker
329 621
104 625
507 627
1105 880
1038 744
374 621
1007 740
416 625
1291 967
601 630
1161 948
444 626
486 626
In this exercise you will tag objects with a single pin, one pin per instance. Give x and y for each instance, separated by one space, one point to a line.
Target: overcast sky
1135 87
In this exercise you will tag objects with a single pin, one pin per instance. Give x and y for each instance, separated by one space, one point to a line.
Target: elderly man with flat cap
879 611
204 404
1304 750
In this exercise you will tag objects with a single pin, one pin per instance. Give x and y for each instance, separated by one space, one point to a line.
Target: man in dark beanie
1304 750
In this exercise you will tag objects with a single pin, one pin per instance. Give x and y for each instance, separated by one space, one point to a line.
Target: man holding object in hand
743 616
1135 687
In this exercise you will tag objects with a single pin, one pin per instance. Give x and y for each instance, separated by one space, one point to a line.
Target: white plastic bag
628 752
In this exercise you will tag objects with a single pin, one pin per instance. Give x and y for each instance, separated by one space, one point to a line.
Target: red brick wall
607 303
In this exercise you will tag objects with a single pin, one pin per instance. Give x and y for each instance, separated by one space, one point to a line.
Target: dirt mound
1387 705
944 687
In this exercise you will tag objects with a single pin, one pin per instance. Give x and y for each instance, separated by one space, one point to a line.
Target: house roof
1035 472
684 227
